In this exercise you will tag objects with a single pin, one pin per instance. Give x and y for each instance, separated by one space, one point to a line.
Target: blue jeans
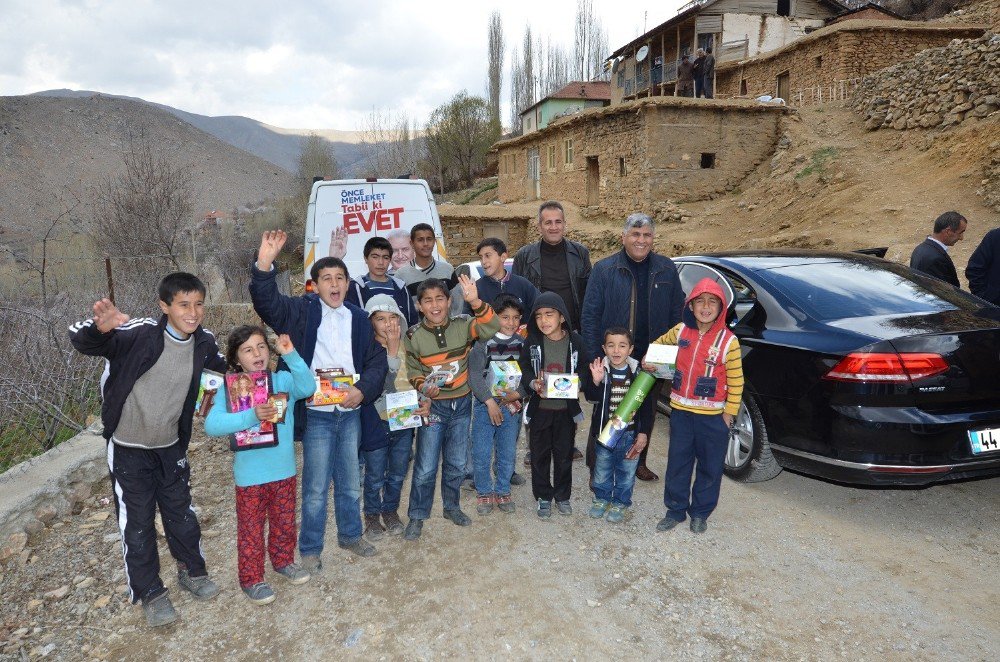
330 453
445 439
701 437
385 470
614 476
491 442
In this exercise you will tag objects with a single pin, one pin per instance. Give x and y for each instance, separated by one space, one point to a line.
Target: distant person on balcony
698 70
685 77
931 257
708 74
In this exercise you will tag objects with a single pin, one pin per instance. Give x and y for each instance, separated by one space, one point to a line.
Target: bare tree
557 68
522 79
494 75
315 160
390 149
459 136
590 43
144 209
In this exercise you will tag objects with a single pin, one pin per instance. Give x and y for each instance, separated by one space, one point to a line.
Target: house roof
599 90
693 9
870 5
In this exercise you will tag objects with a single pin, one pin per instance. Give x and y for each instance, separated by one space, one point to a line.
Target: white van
345 213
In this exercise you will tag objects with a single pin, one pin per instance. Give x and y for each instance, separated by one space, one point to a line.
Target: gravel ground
794 568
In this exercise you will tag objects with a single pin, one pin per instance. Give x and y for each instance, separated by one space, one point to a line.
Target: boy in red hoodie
704 399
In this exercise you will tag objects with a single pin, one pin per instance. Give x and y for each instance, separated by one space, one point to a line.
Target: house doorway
534 174
593 182
783 87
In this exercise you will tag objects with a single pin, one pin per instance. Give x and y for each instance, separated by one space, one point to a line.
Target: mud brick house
571 98
826 64
735 29
629 156
464 226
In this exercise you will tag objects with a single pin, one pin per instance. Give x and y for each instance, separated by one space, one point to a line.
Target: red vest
700 377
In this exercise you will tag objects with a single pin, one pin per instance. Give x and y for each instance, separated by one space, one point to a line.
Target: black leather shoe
698 525
667 523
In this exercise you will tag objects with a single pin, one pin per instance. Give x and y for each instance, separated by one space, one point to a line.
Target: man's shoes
616 514
393 525
294 573
667 523
544 509
413 529
259 594
564 507
516 479
642 472
469 484
484 504
361 547
373 528
698 525
458 517
527 459
598 508
577 455
202 587
505 503
159 611
312 564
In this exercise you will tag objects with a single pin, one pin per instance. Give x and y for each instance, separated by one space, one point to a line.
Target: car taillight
887 367
310 286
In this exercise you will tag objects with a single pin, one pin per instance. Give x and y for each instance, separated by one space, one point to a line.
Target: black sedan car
857 369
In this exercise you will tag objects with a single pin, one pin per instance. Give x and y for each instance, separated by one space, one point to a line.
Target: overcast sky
322 65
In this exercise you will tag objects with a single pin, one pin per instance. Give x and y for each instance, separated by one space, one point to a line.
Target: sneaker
373 528
468 484
361 547
312 564
598 508
527 459
505 503
484 504
413 529
259 594
577 455
393 525
202 587
616 514
544 509
516 479
458 517
667 523
698 525
159 611
564 507
294 573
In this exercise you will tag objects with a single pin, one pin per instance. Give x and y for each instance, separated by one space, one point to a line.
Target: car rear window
835 290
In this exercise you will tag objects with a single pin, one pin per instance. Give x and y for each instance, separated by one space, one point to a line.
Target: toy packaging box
401 408
246 390
664 359
563 386
504 375
331 387
207 388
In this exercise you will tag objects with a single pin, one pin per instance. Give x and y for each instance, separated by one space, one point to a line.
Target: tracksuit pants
271 503
550 440
697 444
144 480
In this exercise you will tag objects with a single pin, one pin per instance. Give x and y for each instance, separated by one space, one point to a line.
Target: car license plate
984 441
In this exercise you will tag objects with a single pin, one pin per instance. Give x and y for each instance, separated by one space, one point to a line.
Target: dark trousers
144 480
697 443
550 440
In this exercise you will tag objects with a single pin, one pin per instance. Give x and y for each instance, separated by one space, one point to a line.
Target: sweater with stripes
734 374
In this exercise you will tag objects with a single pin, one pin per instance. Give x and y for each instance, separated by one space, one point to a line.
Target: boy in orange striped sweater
704 399
437 362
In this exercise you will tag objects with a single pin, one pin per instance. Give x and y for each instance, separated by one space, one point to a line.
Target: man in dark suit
983 270
931 257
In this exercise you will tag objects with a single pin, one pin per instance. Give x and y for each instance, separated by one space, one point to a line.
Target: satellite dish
614 67
641 55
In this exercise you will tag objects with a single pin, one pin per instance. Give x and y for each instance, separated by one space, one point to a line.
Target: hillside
59 147
278 145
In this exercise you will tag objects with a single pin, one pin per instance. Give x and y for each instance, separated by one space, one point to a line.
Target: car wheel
748 457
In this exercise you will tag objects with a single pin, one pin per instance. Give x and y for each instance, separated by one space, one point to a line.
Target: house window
527 123
784 7
568 151
707 159
743 87
621 166
621 77
819 61
552 157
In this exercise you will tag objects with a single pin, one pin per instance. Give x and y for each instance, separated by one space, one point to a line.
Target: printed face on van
402 251
378 264
331 286
423 245
186 312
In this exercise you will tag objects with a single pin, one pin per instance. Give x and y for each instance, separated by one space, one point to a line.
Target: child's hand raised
338 242
271 243
470 292
284 344
597 370
393 336
107 316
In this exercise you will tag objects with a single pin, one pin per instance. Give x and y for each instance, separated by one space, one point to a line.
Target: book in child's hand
664 359
437 378
332 385
401 410
207 388
246 390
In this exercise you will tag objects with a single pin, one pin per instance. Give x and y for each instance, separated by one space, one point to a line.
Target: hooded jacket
600 395
360 291
704 384
534 348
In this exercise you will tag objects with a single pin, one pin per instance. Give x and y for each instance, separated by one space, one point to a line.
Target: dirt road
794 568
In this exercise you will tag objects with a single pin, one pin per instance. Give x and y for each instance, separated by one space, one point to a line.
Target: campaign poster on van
347 215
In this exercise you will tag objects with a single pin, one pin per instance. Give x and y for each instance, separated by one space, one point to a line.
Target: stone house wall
464 226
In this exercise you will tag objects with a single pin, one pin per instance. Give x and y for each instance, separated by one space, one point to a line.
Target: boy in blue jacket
328 333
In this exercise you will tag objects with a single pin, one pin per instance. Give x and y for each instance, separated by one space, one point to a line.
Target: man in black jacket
983 270
931 257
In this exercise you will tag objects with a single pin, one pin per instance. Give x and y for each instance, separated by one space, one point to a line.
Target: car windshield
835 290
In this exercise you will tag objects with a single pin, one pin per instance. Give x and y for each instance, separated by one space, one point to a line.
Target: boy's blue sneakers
598 508
544 509
616 513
